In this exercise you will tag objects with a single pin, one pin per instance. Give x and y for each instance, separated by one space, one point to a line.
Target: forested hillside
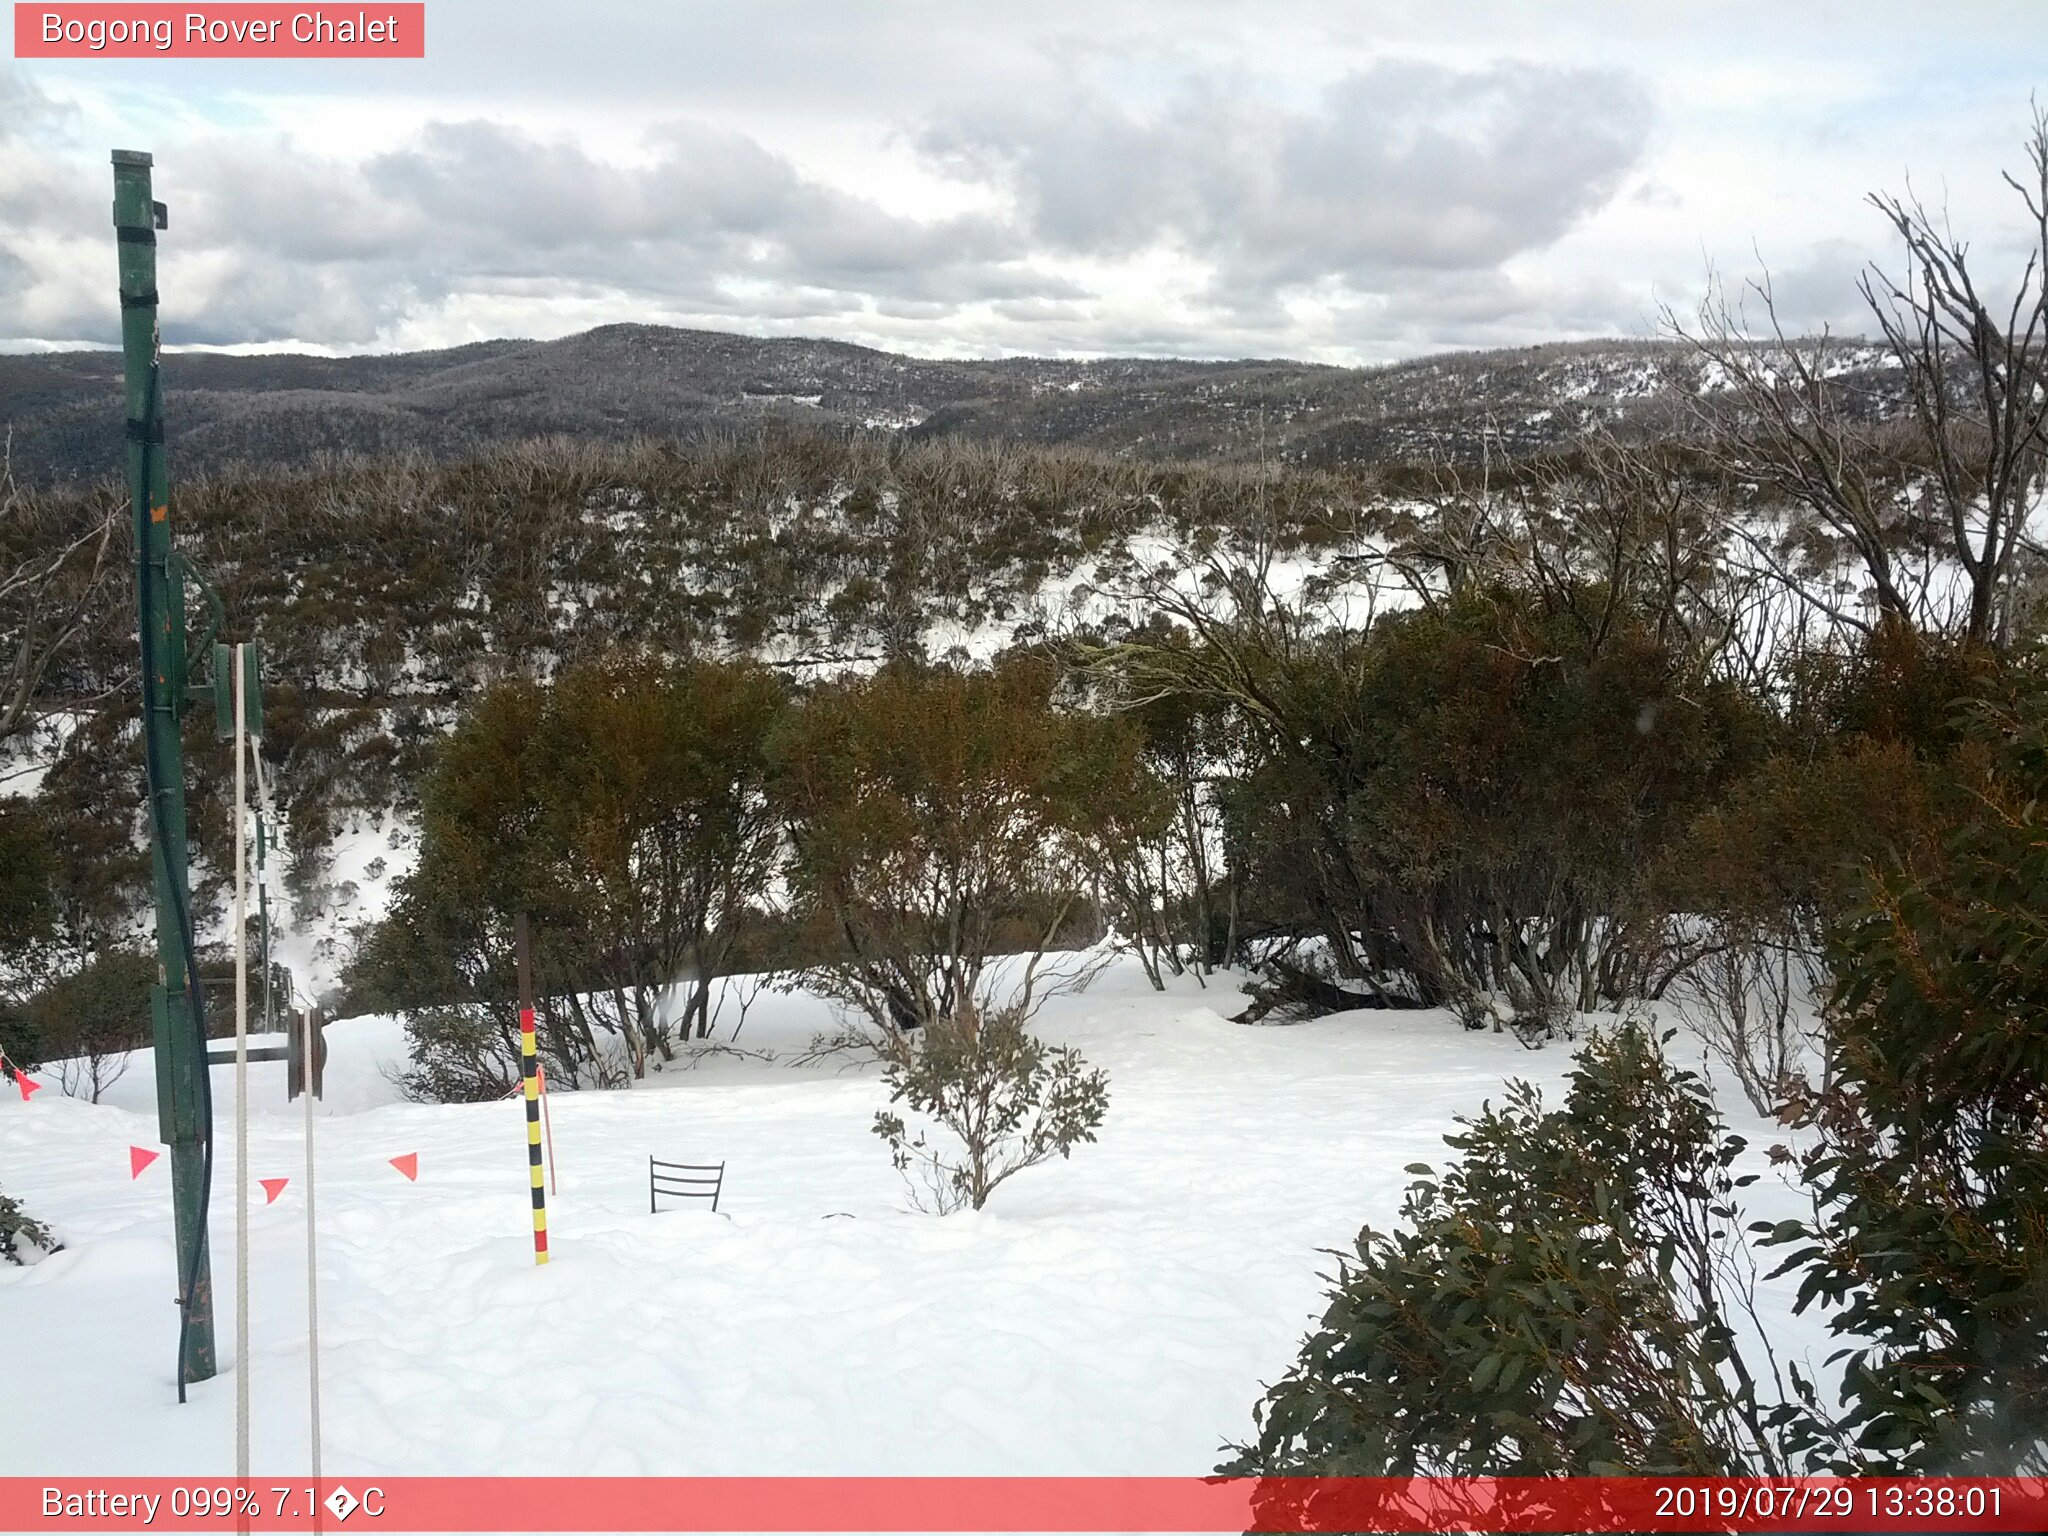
622 382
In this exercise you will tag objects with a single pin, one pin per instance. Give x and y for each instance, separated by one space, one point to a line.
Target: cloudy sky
1347 182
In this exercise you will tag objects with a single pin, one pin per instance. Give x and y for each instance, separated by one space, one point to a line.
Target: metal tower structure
184 1094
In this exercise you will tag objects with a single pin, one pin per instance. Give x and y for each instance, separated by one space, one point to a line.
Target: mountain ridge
282 410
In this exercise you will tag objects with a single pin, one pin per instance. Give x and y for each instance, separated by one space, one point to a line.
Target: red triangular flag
27 1085
409 1165
272 1188
140 1158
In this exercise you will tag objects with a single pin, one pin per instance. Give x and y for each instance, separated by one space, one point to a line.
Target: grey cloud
1818 291
297 245
1336 200
1401 167
15 276
912 309
24 109
1394 196
1387 181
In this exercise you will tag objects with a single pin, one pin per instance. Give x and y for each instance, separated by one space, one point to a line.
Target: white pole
241 1075
312 1255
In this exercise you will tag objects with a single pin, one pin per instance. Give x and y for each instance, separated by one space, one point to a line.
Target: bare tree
49 579
1957 473
1752 997
1975 380
99 1065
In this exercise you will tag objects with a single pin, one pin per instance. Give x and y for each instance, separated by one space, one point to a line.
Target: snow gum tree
1957 474
624 807
1465 798
944 830
660 819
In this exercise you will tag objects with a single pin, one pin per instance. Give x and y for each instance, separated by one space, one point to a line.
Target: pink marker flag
409 1165
28 1086
272 1188
140 1158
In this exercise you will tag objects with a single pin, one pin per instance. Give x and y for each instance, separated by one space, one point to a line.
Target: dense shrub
1794 836
91 1020
1930 1178
1873 769
1896 685
941 819
1468 798
1558 1301
1165 876
623 807
1758 879
20 1042
25 873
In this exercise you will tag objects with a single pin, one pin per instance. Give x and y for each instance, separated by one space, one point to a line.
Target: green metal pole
183 1107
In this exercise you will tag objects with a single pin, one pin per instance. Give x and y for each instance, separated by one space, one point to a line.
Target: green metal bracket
184 572
160 1036
223 690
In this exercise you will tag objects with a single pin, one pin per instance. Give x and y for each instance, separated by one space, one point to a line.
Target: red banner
1015 1504
360 31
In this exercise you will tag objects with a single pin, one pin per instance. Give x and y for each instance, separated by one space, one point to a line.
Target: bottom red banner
1018 1504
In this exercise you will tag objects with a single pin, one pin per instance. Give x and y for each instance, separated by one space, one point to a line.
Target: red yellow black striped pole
529 1066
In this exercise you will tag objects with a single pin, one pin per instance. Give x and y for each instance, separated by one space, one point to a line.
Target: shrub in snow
623 807
458 1054
1746 1000
1568 1298
90 1021
1293 990
22 1239
946 831
1007 1100
1780 861
20 1042
27 866
1531 1017
1163 878
1467 794
1930 1173
466 1053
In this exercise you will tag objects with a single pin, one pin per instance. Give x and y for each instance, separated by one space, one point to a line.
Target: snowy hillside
1114 1314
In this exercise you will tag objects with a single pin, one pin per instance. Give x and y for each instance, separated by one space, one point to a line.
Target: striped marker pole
529 1064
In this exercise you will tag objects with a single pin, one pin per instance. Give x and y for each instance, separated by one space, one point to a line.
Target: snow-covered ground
1113 1314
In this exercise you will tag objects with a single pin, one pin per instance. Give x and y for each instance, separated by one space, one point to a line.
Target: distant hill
625 381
